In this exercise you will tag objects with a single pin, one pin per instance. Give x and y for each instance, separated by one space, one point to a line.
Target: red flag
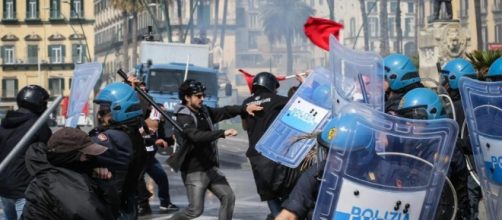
249 78
318 31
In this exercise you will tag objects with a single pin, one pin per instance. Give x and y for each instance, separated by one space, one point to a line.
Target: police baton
20 146
150 100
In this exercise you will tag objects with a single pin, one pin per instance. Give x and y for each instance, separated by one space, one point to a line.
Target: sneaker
169 208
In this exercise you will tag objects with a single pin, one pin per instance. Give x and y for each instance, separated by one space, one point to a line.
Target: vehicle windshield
168 81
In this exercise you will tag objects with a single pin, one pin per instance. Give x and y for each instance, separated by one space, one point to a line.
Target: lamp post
72 9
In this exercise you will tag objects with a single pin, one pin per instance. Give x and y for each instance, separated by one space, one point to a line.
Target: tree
482 60
384 28
399 29
128 7
224 24
365 25
477 15
179 13
283 20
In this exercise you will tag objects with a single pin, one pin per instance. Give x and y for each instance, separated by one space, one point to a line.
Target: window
9 9
56 53
253 20
76 8
32 9
497 5
409 30
483 4
253 42
498 33
8 54
373 27
464 4
393 7
391 22
352 27
56 86
9 88
411 7
55 9
79 53
32 54
371 7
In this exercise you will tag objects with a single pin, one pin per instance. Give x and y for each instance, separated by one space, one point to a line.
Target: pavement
236 168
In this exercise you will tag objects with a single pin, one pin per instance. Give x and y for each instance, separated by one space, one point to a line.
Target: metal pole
153 103
20 146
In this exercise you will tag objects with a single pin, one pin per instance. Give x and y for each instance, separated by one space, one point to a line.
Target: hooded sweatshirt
60 190
15 178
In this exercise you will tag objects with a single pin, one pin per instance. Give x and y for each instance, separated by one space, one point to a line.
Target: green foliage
481 60
284 18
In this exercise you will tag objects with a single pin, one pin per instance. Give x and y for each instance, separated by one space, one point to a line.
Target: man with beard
198 157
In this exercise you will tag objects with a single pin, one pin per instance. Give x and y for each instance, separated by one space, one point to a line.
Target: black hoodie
15 178
58 190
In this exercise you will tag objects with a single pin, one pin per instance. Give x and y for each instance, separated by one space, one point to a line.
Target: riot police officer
121 116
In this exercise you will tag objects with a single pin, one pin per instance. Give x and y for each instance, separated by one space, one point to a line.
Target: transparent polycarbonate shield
399 174
482 103
305 113
358 76
83 81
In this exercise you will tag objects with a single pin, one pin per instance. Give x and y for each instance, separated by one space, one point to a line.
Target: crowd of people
100 175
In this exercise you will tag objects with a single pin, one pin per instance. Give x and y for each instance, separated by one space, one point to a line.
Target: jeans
12 208
196 184
437 8
155 170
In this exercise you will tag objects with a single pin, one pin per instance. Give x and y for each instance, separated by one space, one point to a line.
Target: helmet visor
414 113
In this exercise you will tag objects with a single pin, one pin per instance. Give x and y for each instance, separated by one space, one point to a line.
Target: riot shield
482 103
357 76
399 175
305 112
354 76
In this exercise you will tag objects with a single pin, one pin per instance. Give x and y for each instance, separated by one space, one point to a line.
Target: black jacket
199 147
15 178
59 193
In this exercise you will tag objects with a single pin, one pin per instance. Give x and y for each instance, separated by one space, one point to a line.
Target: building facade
40 43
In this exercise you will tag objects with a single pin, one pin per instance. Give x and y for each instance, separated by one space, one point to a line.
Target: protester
197 158
61 188
269 176
32 102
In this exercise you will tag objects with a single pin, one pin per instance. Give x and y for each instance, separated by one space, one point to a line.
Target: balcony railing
33 60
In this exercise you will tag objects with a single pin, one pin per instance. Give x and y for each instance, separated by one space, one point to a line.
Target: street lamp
72 9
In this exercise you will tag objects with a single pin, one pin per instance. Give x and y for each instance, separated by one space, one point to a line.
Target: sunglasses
200 96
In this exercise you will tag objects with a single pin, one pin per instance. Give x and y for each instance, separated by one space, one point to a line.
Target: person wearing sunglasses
197 156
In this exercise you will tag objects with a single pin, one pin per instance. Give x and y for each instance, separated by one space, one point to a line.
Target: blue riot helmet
337 131
421 103
400 71
455 69
321 94
122 100
495 70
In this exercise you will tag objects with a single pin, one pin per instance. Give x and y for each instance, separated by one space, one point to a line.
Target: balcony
32 62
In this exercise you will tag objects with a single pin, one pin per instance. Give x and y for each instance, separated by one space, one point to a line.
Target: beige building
491 22
40 43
